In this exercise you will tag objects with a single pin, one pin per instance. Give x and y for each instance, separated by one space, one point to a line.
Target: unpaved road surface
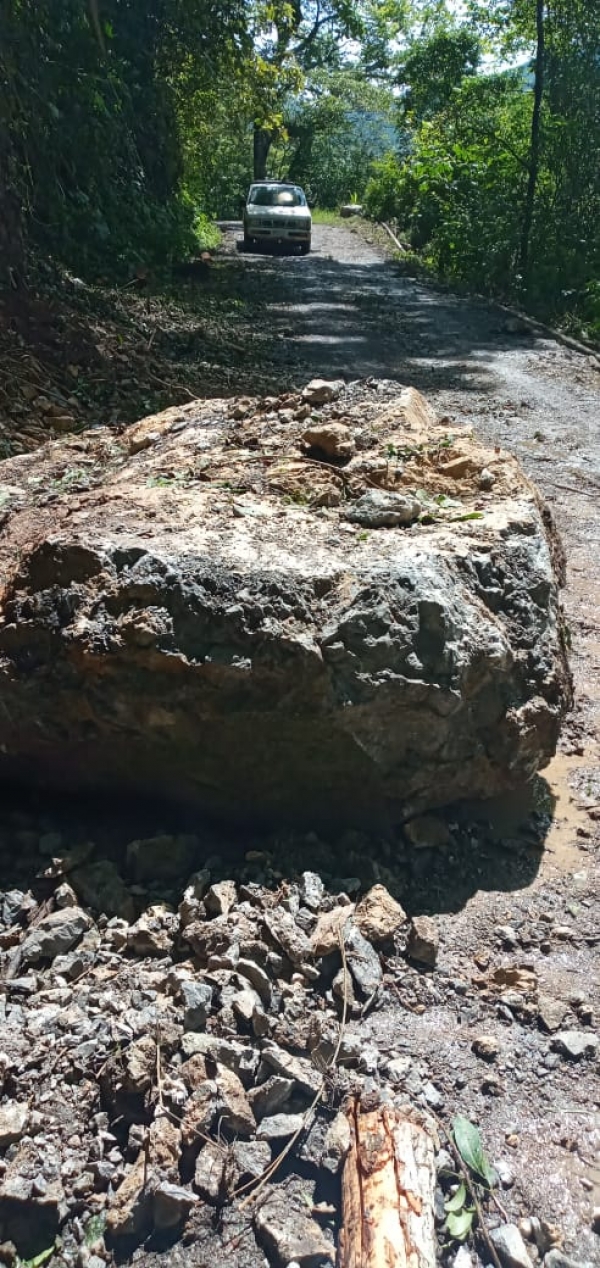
346 311
513 893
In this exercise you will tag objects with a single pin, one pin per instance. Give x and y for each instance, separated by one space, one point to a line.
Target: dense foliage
90 153
494 192
125 125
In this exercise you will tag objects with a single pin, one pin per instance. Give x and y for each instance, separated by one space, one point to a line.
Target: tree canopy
126 126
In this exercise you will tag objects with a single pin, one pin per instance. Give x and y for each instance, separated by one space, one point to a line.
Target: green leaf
472 515
467 1139
459 1225
459 1199
38 1260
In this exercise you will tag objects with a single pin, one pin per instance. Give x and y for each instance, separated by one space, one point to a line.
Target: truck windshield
276 196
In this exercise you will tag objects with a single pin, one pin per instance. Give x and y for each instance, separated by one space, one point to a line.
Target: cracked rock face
202 619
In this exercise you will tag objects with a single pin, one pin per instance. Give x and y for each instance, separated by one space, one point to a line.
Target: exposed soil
515 886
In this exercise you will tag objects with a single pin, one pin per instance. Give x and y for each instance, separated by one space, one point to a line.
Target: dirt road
346 310
504 1027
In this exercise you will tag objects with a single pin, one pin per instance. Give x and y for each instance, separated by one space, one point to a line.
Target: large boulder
202 608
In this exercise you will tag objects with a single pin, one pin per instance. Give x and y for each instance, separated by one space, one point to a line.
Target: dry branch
388 1191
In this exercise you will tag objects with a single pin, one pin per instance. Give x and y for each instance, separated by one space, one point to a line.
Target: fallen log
388 1190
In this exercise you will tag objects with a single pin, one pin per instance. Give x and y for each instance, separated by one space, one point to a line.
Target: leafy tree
435 66
291 39
336 128
89 148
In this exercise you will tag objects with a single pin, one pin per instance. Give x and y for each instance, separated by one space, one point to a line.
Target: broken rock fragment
171 1204
55 934
423 940
377 509
14 1118
379 916
334 440
289 1234
320 391
363 962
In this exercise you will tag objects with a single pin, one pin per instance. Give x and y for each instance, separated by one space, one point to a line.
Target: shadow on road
351 314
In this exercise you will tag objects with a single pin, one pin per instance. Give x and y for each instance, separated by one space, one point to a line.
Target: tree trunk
263 140
388 1190
12 267
534 151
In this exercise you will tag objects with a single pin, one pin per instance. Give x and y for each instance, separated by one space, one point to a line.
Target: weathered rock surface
261 655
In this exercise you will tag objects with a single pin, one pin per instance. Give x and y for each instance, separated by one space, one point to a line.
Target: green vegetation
125 130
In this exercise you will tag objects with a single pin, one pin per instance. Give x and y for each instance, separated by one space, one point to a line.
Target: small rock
65 896
197 999
335 440
377 509
545 1235
220 898
326 935
199 1114
575 1044
271 1096
149 935
378 915
462 1259
596 1220
423 940
279 1126
251 1158
337 1143
551 1012
312 890
433 1096
235 1056
189 907
486 480
320 391
55 934
287 934
257 978
397 1068
234 1108
301 1071
208 1176
458 467
363 961
557 1259
510 1246
427 832
505 1173
171 1204
288 1234
486 1047
14 1119
131 1211
491 1086
508 936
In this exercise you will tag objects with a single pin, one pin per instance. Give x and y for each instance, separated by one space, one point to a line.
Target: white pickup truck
277 212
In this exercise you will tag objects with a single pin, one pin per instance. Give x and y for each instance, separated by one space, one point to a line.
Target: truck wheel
304 248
